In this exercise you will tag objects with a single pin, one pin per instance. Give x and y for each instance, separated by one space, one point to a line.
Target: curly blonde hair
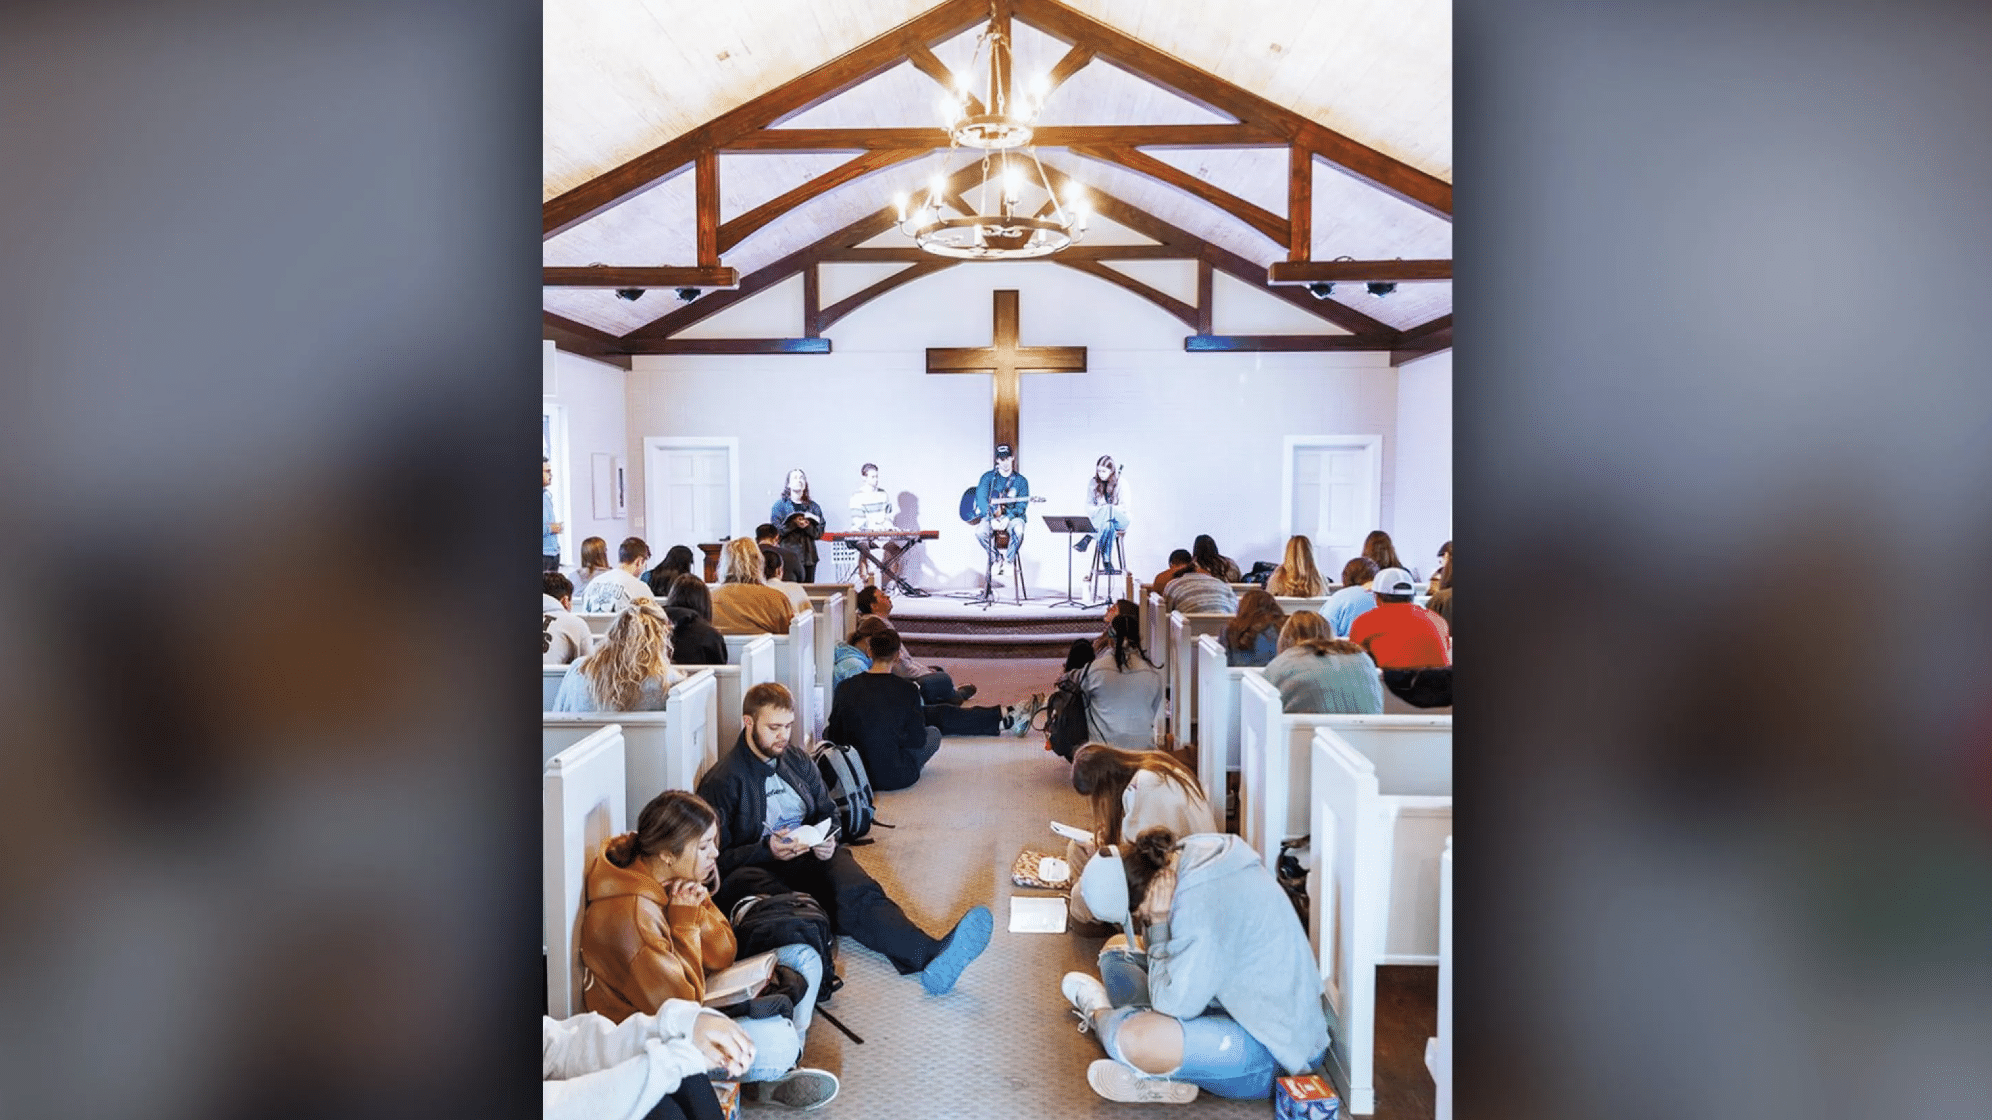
636 649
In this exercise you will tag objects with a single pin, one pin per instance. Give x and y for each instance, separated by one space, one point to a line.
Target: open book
741 980
1072 832
813 834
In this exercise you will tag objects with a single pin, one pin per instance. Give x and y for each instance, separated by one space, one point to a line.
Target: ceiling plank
856 300
730 346
1310 272
1141 163
612 276
572 207
1395 177
1050 136
744 225
1290 343
582 339
1160 299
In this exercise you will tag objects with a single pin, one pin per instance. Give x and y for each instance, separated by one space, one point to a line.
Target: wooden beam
1300 271
614 276
923 60
1074 61
1122 280
579 338
738 230
1399 179
706 196
1424 339
1050 136
572 207
1141 163
912 253
1206 297
730 346
906 275
812 301
1285 343
1300 203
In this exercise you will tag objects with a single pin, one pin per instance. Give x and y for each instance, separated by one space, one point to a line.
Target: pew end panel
1438 1049
582 804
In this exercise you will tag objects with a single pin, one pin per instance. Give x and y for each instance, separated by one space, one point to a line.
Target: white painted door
691 495
1334 496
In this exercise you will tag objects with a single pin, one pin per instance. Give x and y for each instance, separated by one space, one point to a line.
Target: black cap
1003 451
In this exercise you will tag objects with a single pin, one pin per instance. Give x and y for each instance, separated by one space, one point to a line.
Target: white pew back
1291 604
1217 713
1274 760
833 625
1381 810
1439 1048
550 678
1154 627
845 621
1184 629
756 664
597 623
581 805
671 749
795 669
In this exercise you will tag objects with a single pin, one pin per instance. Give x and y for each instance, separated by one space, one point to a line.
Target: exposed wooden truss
1050 136
1310 272
579 338
608 276
1419 341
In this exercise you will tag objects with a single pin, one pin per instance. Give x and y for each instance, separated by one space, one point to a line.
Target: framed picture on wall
621 488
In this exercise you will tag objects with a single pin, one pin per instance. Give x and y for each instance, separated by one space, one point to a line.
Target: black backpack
850 788
1066 725
779 916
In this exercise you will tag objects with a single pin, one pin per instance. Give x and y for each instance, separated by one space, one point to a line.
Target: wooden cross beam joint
1008 361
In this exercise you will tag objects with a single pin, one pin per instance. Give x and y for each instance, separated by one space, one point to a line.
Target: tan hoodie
638 950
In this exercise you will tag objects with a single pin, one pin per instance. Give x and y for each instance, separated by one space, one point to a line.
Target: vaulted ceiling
731 146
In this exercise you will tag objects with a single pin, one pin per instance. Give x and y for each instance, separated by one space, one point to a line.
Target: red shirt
1402 636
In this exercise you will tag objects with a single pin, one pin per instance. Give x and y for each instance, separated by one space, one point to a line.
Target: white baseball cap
1104 886
1394 581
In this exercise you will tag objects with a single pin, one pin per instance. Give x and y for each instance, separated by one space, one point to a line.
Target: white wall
1424 460
1201 432
593 395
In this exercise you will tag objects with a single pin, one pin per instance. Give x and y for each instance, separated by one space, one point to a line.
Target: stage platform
944 625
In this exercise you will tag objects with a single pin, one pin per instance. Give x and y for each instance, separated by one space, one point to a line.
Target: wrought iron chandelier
993 228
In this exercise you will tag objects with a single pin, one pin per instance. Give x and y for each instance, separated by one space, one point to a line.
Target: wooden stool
1094 575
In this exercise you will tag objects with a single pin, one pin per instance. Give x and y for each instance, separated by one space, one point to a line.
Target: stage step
958 630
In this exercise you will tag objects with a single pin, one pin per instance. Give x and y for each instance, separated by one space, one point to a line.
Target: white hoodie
566 637
593 1069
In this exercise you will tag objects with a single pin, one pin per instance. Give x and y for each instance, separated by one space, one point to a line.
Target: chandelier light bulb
934 191
899 201
1013 184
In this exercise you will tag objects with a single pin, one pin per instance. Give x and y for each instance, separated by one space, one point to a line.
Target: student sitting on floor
631 672
1132 792
1223 994
763 790
652 1066
651 933
936 686
1124 692
859 656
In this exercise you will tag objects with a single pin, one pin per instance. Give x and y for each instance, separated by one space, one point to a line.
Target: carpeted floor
1003 1043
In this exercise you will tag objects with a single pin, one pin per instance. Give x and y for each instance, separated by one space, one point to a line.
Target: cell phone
1071 833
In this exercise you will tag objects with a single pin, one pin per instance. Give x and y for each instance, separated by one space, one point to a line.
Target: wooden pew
1439 1048
795 668
1184 629
755 664
582 804
1380 812
1274 760
671 749
1217 714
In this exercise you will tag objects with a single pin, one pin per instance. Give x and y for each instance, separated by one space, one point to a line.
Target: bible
740 981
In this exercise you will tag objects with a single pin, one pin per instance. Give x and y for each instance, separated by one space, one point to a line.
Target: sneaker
801 1089
1083 542
964 943
1016 720
1117 1082
1087 996
1034 705
966 693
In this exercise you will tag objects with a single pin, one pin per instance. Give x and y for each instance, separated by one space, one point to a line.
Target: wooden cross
1008 361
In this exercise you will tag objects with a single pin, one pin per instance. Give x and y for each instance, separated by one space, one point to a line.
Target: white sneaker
1117 1082
1087 996
802 1089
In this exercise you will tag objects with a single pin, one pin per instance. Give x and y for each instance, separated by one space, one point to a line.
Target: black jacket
736 788
693 639
879 714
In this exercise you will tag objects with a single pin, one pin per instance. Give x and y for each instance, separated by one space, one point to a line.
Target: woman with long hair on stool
1107 503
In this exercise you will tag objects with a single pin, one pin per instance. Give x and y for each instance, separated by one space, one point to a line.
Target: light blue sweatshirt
1232 937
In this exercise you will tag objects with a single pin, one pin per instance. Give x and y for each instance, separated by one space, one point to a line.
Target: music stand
1071 527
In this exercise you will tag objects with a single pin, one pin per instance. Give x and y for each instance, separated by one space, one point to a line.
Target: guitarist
1001 502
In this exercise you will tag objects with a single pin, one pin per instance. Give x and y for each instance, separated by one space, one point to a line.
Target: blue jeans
1109 521
778 1042
1219 1056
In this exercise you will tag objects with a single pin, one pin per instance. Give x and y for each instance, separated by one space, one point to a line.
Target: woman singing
799 520
1107 503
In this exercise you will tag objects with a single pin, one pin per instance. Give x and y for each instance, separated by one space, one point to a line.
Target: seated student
563 637
591 1067
1200 590
694 641
855 657
763 790
1398 633
1441 604
1316 672
677 562
743 603
1124 692
650 933
631 672
1252 636
1132 792
1296 575
594 561
879 714
1204 551
1442 580
618 587
1224 993
1354 598
1180 561
936 686
1114 610
850 657
1378 547
770 539
771 570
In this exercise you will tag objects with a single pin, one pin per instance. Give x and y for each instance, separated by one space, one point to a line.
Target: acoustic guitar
968 513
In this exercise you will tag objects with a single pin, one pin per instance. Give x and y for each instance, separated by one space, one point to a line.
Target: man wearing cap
1398 633
1000 483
